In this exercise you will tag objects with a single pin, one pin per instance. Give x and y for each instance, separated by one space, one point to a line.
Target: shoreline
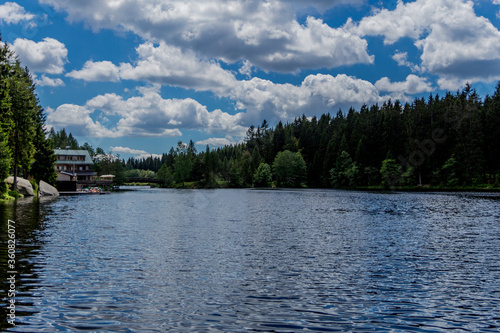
193 186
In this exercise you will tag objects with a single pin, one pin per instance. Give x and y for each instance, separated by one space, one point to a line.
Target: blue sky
135 76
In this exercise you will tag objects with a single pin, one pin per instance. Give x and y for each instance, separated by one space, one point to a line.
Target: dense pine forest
25 149
449 142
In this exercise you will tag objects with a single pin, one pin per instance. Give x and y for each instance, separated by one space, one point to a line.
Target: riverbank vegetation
25 149
450 142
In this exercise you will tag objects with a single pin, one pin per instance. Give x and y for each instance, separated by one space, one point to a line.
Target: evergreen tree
234 174
5 116
256 158
119 172
278 139
182 164
491 126
210 169
448 173
346 172
43 166
24 114
72 143
5 161
90 149
391 173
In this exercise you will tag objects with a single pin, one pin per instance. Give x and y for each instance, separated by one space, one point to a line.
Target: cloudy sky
136 76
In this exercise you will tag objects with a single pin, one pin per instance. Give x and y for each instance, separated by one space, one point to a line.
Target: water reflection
239 260
29 217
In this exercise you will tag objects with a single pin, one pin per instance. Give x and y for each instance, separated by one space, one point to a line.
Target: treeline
25 149
62 140
448 141
451 141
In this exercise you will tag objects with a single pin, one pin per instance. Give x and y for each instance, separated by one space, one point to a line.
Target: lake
235 260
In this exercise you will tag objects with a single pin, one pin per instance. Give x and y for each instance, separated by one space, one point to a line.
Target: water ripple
256 260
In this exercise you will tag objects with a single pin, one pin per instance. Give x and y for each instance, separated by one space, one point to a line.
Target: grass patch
6 197
14 194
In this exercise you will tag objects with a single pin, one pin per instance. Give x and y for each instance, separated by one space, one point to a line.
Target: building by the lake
73 165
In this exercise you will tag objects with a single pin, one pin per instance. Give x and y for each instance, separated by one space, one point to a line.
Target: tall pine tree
24 114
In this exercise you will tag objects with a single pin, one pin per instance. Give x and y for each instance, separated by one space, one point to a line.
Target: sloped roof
73 152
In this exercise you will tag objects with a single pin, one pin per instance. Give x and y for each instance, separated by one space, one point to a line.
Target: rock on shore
23 186
47 190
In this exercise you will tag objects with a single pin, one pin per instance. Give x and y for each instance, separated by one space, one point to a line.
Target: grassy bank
424 188
485 188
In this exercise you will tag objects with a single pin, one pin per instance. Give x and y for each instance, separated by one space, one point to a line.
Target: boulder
47 190
23 186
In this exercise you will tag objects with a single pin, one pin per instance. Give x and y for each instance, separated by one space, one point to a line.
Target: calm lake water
256 260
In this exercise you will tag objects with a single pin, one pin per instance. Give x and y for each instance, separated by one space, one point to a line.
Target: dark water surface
256 260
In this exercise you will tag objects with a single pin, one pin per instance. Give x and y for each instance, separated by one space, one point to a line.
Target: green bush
34 185
14 194
3 187
391 173
263 175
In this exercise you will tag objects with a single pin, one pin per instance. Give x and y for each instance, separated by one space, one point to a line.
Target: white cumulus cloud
47 81
412 85
171 66
97 71
148 115
47 56
264 99
76 119
402 59
216 142
259 98
127 150
12 13
167 65
266 33
138 153
456 44
163 64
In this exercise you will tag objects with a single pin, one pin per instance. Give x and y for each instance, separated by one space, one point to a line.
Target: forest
25 149
443 142
440 142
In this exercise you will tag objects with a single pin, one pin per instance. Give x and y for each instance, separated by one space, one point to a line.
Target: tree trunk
14 186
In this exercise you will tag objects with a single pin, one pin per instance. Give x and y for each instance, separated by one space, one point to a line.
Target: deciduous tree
289 168
263 175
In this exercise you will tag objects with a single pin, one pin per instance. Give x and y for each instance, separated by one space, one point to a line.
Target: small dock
83 193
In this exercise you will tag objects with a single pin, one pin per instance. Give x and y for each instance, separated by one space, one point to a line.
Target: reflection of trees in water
30 216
